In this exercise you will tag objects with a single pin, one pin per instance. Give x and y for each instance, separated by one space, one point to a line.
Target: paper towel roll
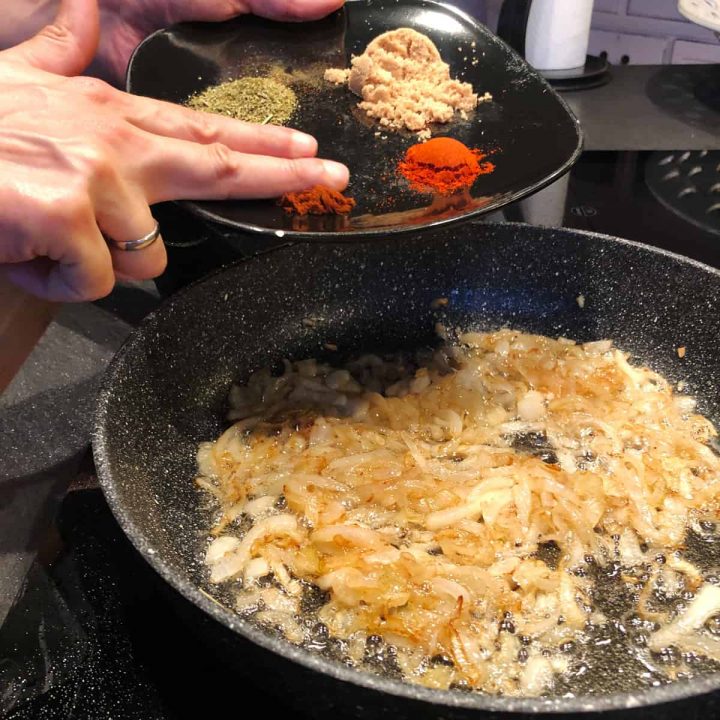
558 33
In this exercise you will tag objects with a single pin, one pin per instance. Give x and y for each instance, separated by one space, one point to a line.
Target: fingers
75 261
170 120
145 264
82 272
176 170
123 217
68 45
294 9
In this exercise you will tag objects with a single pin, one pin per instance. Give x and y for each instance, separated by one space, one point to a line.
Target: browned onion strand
417 498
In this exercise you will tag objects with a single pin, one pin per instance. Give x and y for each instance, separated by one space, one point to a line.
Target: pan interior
166 391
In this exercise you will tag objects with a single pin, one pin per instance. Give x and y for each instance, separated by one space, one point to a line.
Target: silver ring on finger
140 243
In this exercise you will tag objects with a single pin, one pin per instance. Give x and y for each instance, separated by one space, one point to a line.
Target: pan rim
672 692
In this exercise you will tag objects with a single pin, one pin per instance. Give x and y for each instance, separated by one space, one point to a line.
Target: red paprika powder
319 200
443 166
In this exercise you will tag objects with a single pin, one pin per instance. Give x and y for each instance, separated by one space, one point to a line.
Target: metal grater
688 184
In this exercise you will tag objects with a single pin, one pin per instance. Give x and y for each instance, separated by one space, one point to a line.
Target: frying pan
165 392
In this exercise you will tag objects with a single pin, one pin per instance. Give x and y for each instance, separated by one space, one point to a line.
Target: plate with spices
437 119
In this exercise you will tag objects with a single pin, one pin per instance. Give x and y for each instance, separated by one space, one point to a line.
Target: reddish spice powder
319 200
443 165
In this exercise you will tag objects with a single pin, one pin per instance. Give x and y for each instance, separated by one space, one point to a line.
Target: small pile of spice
319 200
443 166
252 99
404 83
307 77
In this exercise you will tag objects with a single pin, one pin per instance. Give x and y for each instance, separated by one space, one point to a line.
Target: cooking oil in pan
608 657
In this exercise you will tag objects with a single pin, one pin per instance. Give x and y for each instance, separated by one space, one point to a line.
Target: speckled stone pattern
166 389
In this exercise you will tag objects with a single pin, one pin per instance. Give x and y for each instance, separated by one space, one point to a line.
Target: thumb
291 9
66 46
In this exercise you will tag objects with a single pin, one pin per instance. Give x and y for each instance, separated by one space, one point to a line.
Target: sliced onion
705 605
232 563
537 677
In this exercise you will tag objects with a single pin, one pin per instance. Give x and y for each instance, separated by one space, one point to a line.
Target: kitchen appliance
688 183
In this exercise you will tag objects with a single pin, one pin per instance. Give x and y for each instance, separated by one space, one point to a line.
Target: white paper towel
558 33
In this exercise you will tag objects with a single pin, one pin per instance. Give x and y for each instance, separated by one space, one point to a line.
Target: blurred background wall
640 32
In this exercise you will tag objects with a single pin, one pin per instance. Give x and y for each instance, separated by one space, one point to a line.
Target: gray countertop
45 421
648 107
45 414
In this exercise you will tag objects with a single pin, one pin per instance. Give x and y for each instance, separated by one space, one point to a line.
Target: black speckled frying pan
165 392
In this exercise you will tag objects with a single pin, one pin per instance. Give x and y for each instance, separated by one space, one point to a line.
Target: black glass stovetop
95 633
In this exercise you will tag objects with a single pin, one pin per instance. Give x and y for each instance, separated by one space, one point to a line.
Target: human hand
80 160
125 23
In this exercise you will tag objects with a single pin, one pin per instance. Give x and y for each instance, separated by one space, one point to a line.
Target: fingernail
303 145
337 174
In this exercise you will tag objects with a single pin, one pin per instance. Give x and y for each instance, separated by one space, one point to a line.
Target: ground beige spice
404 83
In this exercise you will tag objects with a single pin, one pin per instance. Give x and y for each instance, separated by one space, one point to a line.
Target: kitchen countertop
46 417
649 107
46 412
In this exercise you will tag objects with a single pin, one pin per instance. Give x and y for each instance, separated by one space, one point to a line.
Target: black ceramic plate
533 135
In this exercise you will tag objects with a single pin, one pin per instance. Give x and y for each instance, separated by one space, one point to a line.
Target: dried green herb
253 99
